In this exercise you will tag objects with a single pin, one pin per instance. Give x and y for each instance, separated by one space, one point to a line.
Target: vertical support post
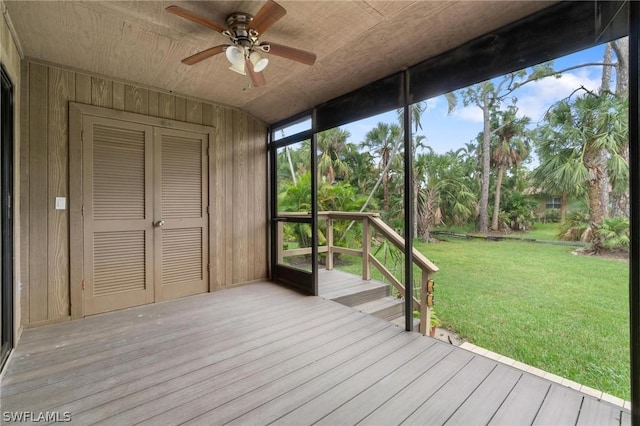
329 261
314 202
425 310
272 208
408 210
280 242
366 249
634 191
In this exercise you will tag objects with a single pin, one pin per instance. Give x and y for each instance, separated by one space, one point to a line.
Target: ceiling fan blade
200 56
194 17
267 16
291 53
257 78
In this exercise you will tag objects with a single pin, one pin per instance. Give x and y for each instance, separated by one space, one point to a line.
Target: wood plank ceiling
356 42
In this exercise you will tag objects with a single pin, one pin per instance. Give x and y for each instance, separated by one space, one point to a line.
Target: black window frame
7 110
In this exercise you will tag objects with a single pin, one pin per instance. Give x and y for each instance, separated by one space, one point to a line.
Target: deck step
364 292
386 307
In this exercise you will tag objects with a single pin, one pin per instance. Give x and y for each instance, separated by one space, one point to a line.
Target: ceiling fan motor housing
239 32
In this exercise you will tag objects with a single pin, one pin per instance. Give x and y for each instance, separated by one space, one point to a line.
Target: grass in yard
538 304
544 232
467 228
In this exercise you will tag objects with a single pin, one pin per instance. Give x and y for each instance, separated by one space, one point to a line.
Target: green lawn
543 231
539 304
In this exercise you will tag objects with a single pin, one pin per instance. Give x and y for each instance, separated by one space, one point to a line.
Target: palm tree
382 140
484 96
556 173
416 111
577 132
362 168
445 194
420 168
331 144
511 149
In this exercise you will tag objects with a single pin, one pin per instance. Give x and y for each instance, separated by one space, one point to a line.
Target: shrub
614 234
576 227
518 210
552 215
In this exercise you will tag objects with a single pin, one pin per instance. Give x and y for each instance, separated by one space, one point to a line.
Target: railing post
425 309
329 261
280 243
366 249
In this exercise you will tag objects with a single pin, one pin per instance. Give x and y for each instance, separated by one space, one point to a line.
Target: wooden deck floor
262 354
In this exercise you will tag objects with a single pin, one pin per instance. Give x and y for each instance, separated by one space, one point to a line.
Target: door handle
158 223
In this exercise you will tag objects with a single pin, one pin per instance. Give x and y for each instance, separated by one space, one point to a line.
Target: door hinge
208 211
208 267
82 136
208 151
83 210
83 284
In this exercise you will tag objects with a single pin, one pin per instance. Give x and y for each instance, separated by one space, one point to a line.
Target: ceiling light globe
239 68
259 63
235 55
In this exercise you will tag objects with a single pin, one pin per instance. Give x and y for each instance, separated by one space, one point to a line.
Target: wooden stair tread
365 291
386 307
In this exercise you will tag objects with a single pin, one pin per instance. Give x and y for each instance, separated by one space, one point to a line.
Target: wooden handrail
398 241
368 220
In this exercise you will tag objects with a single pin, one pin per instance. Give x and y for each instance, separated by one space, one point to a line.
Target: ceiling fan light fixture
245 50
259 63
239 68
235 55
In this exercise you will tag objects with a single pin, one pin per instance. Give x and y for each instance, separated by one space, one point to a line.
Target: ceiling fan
244 32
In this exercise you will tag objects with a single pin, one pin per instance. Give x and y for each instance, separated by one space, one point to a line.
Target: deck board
483 403
523 403
285 374
351 411
446 400
149 331
358 373
261 353
594 413
560 407
400 405
149 401
303 384
93 389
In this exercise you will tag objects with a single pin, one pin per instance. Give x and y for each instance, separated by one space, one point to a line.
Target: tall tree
580 130
620 203
363 170
331 145
484 96
419 169
382 140
602 155
511 148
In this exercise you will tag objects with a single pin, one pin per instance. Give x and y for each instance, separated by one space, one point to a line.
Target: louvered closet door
181 233
118 212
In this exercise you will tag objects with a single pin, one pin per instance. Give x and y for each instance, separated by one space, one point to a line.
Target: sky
446 131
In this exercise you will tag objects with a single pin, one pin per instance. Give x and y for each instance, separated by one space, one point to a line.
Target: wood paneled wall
11 61
238 239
